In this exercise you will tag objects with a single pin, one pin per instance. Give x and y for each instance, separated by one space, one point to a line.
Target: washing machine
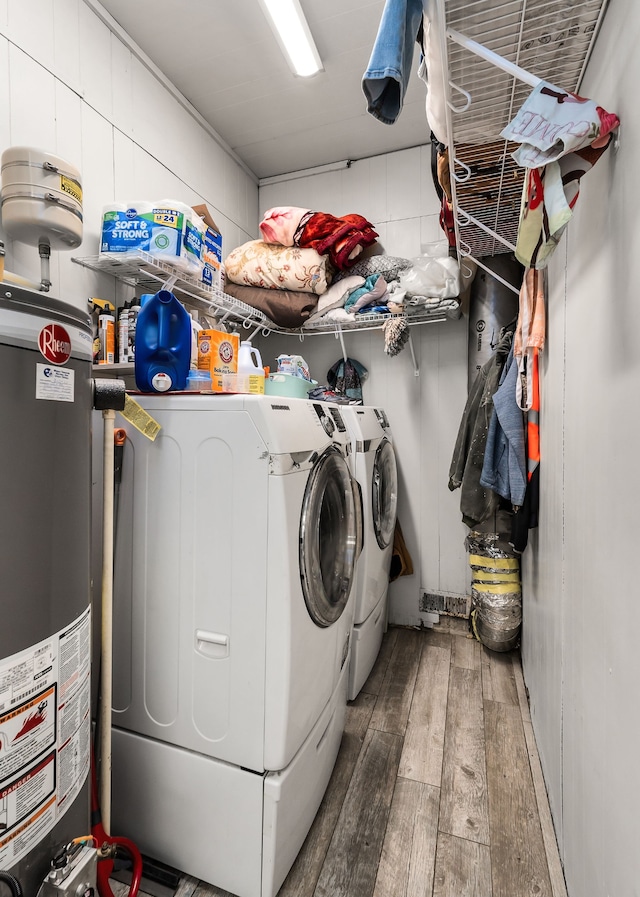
374 468
235 555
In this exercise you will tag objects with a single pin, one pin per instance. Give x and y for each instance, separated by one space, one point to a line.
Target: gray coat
477 503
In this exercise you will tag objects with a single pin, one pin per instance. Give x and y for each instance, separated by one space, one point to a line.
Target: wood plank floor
437 790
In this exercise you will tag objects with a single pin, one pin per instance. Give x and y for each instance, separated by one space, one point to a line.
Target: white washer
234 565
374 467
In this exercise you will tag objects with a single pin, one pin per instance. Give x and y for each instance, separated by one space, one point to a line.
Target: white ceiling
222 55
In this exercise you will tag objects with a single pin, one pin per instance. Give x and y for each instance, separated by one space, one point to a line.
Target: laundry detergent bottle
250 369
162 344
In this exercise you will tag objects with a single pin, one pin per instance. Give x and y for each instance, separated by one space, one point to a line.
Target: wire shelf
147 272
549 40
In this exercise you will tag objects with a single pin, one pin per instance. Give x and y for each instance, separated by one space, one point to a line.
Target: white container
41 198
250 375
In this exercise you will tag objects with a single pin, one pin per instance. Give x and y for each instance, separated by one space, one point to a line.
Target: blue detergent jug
162 344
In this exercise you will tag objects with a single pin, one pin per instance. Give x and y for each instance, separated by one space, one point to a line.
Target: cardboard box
212 244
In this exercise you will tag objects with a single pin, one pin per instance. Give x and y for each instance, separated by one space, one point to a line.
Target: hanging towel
553 122
549 195
529 337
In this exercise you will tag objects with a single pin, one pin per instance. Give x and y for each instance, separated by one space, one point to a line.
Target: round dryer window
385 493
328 537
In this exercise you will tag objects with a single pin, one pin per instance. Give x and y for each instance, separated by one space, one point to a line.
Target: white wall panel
5 121
404 173
4 17
122 86
31 102
66 42
95 63
68 124
34 41
581 616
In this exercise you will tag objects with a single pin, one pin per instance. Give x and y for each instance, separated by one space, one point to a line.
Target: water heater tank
45 636
41 198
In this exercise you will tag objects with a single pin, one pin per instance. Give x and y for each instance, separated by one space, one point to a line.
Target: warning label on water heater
45 720
55 384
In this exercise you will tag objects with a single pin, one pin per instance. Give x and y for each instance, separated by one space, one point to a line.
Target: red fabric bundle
337 237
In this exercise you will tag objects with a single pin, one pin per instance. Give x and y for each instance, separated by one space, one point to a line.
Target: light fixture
294 36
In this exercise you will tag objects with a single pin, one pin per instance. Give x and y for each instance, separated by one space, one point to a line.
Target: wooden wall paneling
518 857
463 810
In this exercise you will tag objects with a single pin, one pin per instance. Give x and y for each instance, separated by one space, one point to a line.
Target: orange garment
530 332
533 418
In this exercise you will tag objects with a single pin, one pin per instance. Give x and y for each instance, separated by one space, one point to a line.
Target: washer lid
328 538
384 493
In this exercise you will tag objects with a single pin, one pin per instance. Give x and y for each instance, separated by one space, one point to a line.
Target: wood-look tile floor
437 790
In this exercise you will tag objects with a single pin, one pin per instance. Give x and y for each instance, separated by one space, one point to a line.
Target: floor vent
453 605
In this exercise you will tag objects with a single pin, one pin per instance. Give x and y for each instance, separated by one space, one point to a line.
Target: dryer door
328 538
384 493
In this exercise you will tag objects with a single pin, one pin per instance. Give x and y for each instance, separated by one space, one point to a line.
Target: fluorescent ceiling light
294 36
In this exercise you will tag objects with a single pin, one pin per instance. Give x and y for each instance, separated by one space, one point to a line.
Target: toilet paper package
167 229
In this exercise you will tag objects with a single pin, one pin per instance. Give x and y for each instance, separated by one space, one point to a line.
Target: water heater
45 636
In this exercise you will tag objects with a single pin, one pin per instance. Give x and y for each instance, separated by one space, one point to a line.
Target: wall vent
452 605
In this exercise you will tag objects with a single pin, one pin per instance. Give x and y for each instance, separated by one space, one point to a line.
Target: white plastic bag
433 274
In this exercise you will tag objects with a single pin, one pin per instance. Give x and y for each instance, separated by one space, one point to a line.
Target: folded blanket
341 238
260 264
286 308
372 292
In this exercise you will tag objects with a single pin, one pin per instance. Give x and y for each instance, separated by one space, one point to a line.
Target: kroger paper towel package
167 229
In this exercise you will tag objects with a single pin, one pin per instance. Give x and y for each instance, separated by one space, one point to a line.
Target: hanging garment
477 503
385 81
562 136
526 517
345 378
549 195
504 468
553 122
530 332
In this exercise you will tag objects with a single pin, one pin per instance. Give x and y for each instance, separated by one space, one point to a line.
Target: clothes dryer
234 565
374 467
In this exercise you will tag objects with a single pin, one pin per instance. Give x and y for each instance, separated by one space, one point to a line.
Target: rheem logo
55 344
